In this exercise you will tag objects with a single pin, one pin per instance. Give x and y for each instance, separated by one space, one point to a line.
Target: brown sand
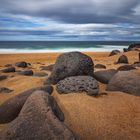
113 116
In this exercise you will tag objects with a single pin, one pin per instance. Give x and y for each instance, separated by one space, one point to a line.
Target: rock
8 65
78 84
8 70
48 68
5 90
26 72
125 49
122 59
10 109
134 46
104 76
3 77
126 68
100 66
125 81
114 52
21 64
136 64
71 64
38 121
40 74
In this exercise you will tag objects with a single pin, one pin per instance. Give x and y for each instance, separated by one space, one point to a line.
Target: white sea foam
104 48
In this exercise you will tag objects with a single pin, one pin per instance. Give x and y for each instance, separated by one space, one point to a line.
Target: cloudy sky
70 20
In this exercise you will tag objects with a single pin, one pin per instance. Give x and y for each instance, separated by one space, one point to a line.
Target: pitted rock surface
70 64
37 121
10 109
125 81
78 84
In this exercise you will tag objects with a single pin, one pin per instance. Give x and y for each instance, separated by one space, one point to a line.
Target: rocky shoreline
35 113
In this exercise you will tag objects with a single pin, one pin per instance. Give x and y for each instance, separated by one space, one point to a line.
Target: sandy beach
106 117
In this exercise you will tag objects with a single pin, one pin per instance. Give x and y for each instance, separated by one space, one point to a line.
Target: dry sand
115 116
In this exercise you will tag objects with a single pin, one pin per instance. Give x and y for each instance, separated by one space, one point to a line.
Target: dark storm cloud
76 11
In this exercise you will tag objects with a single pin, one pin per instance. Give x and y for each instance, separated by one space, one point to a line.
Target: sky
65 20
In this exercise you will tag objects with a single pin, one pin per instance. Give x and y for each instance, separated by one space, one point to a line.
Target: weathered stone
8 65
122 59
78 84
5 90
3 77
134 46
26 72
10 109
125 49
100 66
47 68
136 64
40 74
8 69
126 68
38 121
71 64
21 64
125 81
114 52
104 76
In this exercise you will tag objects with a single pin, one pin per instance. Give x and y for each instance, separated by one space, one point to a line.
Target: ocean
61 46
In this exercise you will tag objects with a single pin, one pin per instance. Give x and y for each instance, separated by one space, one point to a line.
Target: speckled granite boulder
10 109
78 84
125 81
38 121
104 76
71 64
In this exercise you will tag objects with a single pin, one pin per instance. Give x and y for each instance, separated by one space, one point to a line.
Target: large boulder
125 81
78 84
10 109
122 59
8 69
21 64
126 68
104 76
71 64
38 121
114 52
